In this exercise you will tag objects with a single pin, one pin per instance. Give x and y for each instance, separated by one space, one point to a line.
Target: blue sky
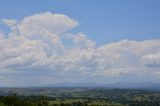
103 21
55 41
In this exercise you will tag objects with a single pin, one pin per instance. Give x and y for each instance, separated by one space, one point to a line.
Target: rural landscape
72 96
79 52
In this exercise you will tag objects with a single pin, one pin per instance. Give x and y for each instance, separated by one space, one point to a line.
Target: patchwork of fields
78 97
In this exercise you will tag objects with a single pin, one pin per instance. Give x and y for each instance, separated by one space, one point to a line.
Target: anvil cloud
34 53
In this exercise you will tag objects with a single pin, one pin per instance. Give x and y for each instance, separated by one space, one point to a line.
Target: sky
55 41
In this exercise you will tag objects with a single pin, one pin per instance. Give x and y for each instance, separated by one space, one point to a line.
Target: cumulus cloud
9 22
151 60
54 23
35 49
1 35
82 40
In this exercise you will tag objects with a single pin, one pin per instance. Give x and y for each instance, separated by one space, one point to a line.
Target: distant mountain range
69 88
143 85
119 85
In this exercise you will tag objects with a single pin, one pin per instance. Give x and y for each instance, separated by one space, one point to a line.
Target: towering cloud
34 51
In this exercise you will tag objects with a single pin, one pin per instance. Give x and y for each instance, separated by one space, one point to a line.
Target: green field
78 97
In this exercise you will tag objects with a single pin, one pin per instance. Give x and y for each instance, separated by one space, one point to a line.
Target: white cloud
1 35
151 60
82 40
35 49
20 52
54 23
9 22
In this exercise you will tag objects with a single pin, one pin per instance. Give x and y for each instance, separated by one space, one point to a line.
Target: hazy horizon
104 42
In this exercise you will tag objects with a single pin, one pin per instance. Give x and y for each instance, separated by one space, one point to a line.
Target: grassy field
78 97
84 102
